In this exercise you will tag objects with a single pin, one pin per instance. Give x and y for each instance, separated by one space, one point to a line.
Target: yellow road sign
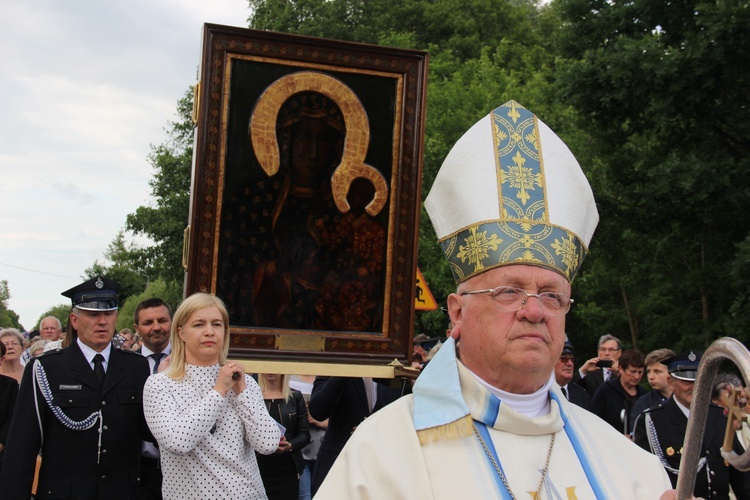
423 299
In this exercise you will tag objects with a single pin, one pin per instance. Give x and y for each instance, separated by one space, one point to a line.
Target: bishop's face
513 351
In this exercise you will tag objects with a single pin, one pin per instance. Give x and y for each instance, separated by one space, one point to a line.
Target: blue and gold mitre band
520 171
511 192
499 243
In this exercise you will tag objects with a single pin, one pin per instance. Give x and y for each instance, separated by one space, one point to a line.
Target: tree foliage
119 266
164 222
651 97
8 317
169 292
60 311
663 91
482 53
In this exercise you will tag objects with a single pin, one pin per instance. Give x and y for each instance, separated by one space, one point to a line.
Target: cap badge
99 283
692 356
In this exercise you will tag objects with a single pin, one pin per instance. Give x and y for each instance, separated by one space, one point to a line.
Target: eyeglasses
568 359
609 349
512 299
12 344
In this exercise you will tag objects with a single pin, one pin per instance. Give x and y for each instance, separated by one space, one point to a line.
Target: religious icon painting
305 193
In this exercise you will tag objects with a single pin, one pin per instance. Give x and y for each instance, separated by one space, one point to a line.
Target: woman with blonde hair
281 471
207 416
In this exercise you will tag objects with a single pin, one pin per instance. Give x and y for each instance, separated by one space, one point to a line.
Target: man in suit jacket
661 430
153 322
564 369
346 402
592 373
82 408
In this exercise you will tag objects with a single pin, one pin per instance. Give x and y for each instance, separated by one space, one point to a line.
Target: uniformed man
564 370
81 409
661 430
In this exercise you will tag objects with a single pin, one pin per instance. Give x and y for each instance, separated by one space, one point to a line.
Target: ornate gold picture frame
305 194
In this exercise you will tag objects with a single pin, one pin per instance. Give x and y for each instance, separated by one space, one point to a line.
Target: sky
86 87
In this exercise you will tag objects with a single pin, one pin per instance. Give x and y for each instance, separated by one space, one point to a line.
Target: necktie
606 373
565 392
99 368
157 359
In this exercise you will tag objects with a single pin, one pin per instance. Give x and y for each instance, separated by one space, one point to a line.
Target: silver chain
500 472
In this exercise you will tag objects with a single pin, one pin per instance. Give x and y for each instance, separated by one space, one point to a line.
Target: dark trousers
150 479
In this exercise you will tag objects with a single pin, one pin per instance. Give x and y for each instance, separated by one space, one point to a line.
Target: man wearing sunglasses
564 371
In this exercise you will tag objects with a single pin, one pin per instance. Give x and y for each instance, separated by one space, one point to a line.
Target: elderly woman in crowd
281 471
13 341
206 414
37 347
8 393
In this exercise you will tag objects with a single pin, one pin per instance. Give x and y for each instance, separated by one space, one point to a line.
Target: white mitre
511 192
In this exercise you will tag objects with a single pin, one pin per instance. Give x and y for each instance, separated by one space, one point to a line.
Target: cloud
86 87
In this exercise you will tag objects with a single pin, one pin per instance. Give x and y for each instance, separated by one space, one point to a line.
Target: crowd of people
284 466
181 420
498 410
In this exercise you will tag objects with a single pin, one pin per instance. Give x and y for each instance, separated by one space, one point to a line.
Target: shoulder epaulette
131 352
47 354
654 408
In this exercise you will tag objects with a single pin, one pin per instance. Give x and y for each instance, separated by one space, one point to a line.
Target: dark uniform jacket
669 424
650 400
69 457
343 401
578 396
609 401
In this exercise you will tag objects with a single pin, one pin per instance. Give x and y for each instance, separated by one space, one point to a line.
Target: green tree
60 311
120 265
165 220
8 317
662 90
169 292
482 54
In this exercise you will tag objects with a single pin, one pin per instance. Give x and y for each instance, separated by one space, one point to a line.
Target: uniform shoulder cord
41 383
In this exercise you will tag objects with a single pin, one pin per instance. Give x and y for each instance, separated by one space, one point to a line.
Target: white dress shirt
146 352
89 354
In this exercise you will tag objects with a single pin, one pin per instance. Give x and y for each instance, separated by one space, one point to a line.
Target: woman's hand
284 446
231 376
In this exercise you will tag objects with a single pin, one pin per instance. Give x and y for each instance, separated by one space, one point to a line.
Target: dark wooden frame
368 70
